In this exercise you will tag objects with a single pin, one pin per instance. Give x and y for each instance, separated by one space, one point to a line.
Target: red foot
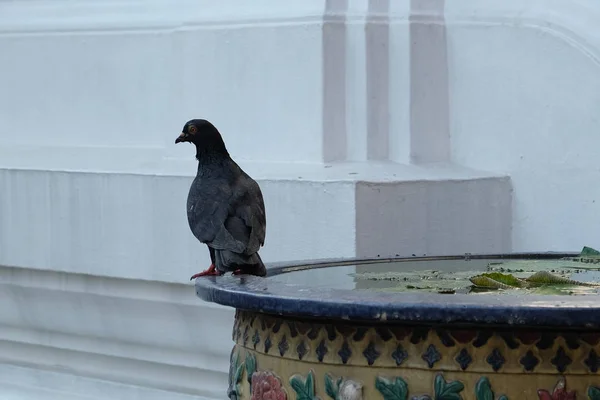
238 272
211 271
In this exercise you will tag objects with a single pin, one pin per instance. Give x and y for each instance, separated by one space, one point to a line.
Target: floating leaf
392 390
588 251
447 390
546 278
587 255
487 276
550 290
507 279
488 283
593 393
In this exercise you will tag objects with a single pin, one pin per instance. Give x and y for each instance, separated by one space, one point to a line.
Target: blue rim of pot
267 296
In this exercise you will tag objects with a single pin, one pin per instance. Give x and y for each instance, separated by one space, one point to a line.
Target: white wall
525 84
374 127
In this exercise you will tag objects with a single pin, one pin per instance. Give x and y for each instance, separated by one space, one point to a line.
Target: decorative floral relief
593 393
350 390
447 390
483 390
304 387
348 344
397 389
236 370
342 389
431 356
392 389
267 386
559 393
250 368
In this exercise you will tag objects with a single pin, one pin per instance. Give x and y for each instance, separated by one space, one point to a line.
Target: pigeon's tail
258 268
250 265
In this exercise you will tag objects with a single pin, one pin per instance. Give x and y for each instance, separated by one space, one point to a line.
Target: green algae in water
546 278
569 276
485 282
496 280
508 280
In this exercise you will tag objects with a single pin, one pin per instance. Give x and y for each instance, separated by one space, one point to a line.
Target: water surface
450 276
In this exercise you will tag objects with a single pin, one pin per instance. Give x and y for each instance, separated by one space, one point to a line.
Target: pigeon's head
204 135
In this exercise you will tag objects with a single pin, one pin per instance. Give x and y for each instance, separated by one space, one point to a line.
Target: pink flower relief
266 386
559 393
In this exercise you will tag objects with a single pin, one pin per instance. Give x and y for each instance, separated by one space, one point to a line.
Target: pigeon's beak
181 138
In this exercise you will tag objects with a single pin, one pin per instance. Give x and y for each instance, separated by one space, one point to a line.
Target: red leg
211 271
238 272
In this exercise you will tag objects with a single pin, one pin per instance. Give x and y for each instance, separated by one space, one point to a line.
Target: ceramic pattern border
479 350
266 384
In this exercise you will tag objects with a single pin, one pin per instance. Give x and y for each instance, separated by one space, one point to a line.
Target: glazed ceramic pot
299 335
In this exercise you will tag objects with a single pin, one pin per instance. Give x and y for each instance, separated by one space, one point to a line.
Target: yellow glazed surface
283 358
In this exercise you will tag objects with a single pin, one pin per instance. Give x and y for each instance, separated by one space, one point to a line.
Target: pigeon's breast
194 196
207 195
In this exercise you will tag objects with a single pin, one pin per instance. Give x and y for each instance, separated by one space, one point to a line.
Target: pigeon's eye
192 129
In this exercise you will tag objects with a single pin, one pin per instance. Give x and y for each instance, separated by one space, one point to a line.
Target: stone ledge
140 160
134 226
63 16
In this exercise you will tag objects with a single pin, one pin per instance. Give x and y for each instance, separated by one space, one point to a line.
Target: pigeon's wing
208 211
252 212
230 217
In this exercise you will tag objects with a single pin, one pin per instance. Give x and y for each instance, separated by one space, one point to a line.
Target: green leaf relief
392 389
250 368
332 388
593 393
234 358
236 369
238 374
447 390
483 390
304 387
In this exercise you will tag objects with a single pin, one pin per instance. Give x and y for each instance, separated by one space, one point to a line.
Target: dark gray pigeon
225 206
